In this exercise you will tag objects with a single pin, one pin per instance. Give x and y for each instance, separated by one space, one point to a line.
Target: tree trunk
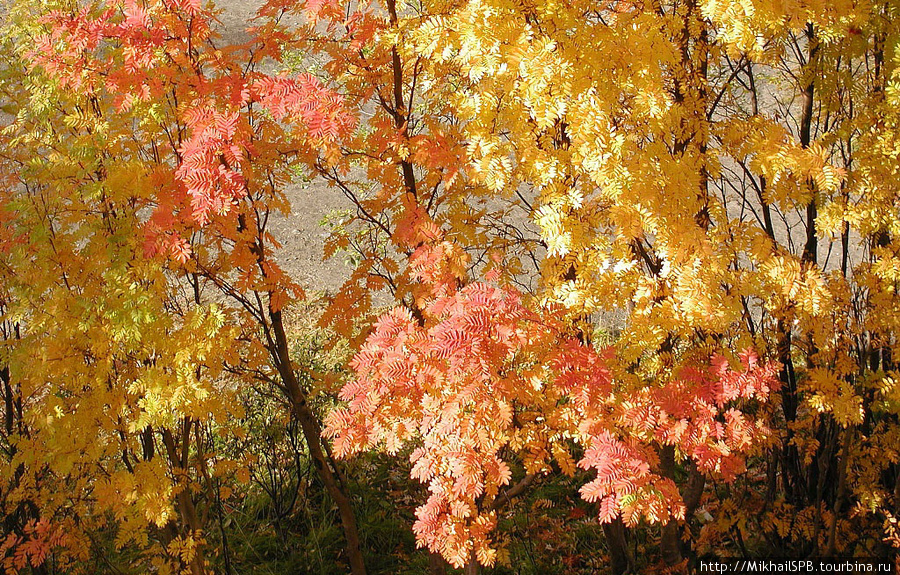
312 433
186 508
436 564
619 554
669 543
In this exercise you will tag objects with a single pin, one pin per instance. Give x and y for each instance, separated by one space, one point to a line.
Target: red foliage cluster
210 162
482 375
162 52
39 539
306 100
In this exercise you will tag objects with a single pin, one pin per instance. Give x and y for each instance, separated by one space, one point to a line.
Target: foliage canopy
645 251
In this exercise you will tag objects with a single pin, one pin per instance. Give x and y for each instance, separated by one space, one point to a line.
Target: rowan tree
417 205
153 133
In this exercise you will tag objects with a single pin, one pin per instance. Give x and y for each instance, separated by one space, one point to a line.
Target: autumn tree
107 378
159 140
